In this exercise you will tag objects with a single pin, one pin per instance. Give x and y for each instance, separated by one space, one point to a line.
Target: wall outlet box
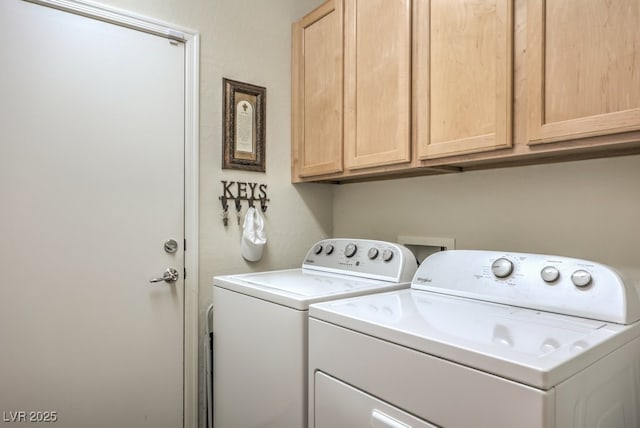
423 246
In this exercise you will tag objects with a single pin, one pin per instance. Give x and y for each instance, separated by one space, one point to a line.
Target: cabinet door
317 66
462 76
377 82
583 68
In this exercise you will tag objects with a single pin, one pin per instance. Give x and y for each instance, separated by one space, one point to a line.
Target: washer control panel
362 257
550 283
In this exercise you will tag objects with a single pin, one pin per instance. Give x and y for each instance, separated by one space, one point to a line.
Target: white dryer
482 339
260 327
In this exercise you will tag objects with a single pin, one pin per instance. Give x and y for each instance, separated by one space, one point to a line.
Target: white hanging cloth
254 237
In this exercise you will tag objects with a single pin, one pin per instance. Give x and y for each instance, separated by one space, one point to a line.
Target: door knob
170 275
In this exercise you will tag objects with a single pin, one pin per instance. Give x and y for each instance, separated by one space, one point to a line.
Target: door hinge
185 244
185 273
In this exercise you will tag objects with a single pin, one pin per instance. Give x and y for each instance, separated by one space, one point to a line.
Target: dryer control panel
549 283
364 258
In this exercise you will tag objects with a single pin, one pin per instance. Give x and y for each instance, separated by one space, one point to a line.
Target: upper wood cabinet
406 87
351 87
377 105
583 68
317 92
463 76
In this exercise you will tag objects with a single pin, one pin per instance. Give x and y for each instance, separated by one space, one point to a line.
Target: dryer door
340 405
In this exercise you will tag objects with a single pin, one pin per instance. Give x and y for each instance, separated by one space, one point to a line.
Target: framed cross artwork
243 145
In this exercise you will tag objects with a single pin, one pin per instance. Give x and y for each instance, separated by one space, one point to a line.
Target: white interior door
91 186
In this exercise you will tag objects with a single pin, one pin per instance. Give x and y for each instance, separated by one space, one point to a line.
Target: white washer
260 327
482 339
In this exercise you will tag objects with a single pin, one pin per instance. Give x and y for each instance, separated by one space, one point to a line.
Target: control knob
317 249
581 278
387 255
502 267
329 249
372 253
549 274
350 250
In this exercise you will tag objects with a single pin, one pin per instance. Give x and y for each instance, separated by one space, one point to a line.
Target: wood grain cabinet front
351 89
462 76
377 83
385 88
317 88
583 66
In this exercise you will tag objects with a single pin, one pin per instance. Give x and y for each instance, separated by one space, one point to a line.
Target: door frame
191 40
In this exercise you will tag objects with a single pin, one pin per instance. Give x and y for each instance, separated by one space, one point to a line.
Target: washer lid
540 349
297 288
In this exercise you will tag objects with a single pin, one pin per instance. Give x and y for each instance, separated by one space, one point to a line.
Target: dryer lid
536 348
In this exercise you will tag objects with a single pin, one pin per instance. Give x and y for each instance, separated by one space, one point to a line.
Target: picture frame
243 143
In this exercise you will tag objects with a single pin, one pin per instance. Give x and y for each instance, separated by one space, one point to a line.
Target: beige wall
587 209
247 41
